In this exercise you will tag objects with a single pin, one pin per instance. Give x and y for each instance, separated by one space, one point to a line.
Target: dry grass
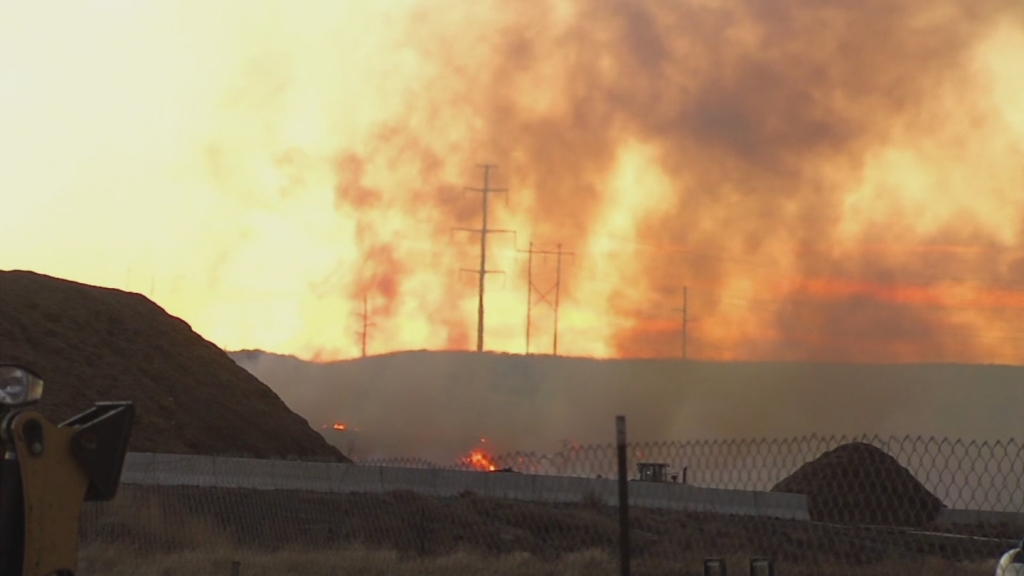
110 560
170 531
352 561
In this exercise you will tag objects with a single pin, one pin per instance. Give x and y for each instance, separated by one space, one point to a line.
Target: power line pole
529 295
366 324
558 284
482 272
685 319
531 288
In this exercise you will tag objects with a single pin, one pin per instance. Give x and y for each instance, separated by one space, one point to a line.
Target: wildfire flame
336 426
477 459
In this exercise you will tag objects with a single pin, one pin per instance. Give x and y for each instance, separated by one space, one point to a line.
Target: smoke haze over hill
437 405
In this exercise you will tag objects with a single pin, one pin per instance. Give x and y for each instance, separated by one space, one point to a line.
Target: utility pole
558 284
529 295
685 320
531 288
366 324
482 272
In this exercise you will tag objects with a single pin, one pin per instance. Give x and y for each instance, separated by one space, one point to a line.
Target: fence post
715 567
620 440
768 563
236 568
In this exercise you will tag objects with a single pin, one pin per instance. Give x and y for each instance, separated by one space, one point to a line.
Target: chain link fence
811 505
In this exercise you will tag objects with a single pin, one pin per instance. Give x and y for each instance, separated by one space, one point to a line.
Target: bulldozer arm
62 467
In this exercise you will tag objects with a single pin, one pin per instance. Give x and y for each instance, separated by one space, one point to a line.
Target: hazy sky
830 179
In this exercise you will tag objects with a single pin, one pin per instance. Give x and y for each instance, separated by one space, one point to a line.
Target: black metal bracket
100 443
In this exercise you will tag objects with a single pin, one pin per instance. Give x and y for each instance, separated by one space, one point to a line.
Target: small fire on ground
336 426
479 459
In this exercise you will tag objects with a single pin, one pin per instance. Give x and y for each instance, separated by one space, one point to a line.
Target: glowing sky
830 180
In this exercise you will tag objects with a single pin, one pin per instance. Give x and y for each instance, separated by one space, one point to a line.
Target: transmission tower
531 288
365 316
483 231
685 320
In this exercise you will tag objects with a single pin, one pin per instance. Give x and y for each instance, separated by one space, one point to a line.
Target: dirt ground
92 344
399 529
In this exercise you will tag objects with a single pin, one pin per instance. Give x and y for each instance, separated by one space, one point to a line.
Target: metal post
767 563
620 439
715 567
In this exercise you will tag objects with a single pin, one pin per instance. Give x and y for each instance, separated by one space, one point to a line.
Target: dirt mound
859 483
93 344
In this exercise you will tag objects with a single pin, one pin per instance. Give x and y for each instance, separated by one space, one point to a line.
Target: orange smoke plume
858 154
830 180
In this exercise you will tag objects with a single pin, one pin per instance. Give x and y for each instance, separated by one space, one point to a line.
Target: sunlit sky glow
256 168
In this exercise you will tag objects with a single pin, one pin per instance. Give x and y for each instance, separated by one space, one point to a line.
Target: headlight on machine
19 386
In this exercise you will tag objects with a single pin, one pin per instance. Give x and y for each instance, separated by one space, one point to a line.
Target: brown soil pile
96 344
860 484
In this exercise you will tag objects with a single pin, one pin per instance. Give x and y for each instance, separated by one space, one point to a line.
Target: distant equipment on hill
657 472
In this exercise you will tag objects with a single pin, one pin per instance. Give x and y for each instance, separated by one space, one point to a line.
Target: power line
482 272
531 287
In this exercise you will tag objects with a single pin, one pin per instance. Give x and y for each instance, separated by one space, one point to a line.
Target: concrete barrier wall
182 470
949 517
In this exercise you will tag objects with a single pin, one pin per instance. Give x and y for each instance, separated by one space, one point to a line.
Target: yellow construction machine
49 470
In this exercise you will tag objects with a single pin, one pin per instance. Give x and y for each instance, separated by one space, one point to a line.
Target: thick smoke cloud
772 144
832 181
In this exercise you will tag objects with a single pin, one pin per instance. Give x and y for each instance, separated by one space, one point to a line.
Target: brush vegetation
194 531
